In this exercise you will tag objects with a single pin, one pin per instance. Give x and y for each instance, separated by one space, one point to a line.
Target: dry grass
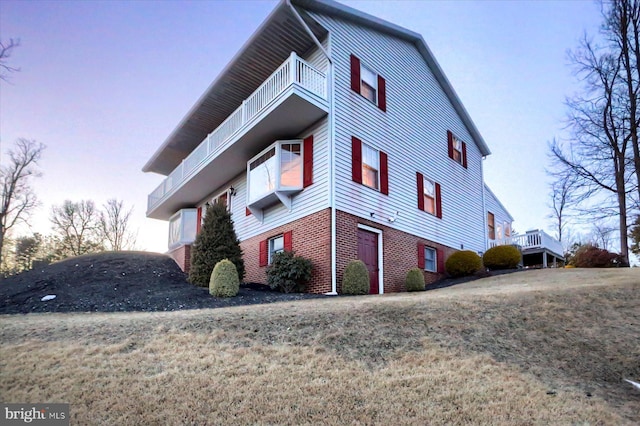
486 352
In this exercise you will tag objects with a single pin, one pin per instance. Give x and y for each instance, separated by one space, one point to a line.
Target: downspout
484 206
330 94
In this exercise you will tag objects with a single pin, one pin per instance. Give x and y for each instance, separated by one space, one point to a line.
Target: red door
368 253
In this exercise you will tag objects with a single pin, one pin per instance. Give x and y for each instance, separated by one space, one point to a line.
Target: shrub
590 256
289 273
224 280
501 257
217 240
415 280
356 278
463 263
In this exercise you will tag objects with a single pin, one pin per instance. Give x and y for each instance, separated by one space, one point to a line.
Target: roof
278 35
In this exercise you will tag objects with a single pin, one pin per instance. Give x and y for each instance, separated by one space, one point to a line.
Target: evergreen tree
216 241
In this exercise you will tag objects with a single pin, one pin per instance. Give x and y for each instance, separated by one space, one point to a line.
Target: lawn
535 347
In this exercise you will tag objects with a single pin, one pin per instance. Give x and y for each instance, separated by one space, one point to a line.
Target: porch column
544 259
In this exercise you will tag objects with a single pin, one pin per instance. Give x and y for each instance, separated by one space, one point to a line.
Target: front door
368 253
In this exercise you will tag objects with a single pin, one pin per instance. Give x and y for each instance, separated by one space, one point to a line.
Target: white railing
294 71
531 240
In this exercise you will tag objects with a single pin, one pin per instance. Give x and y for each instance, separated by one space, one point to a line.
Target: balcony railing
531 240
294 71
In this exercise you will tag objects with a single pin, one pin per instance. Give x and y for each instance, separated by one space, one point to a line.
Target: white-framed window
276 245
369 84
277 168
499 231
457 150
430 259
429 196
507 230
491 225
182 227
370 166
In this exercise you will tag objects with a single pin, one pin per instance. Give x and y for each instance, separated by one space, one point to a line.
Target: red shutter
247 212
355 74
356 159
384 173
382 94
450 143
288 244
464 155
438 201
440 256
199 220
308 162
420 182
421 256
263 253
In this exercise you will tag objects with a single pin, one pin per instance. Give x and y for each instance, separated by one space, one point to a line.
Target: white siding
413 132
316 58
494 206
312 199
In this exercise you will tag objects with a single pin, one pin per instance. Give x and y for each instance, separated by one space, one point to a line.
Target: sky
103 83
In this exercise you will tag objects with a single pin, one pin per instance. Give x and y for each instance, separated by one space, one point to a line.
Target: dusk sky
102 84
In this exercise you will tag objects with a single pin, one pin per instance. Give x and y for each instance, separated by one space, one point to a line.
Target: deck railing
294 71
531 240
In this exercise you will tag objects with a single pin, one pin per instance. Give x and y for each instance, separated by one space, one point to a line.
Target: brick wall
400 251
182 256
311 238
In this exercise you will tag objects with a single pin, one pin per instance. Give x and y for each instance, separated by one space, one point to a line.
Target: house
334 134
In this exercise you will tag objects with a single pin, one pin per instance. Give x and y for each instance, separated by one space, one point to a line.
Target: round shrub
501 257
415 280
590 256
356 278
288 272
224 280
463 263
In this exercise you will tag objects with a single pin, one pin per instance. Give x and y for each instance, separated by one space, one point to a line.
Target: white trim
380 257
435 258
332 171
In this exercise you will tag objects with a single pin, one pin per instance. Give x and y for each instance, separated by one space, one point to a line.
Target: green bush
289 273
224 280
356 278
217 240
501 257
415 280
463 263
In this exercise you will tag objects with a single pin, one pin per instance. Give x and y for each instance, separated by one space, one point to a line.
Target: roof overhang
280 34
332 8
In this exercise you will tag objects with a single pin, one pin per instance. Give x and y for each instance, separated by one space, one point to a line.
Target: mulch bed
120 282
133 281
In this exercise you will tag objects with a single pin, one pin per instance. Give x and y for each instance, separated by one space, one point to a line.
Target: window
429 196
368 84
491 226
370 166
275 175
499 231
276 245
457 149
430 259
183 227
507 230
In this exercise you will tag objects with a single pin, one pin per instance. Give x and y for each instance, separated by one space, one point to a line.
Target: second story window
279 168
429 196
370 166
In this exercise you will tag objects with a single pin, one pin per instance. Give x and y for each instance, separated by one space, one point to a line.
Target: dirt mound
116 281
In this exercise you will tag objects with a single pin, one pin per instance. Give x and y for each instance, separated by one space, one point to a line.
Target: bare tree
6 49
622 28
77 225
115 227
601 235
596 154
562 197
17 198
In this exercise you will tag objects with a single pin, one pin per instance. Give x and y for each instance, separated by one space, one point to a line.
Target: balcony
287 102
534 245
